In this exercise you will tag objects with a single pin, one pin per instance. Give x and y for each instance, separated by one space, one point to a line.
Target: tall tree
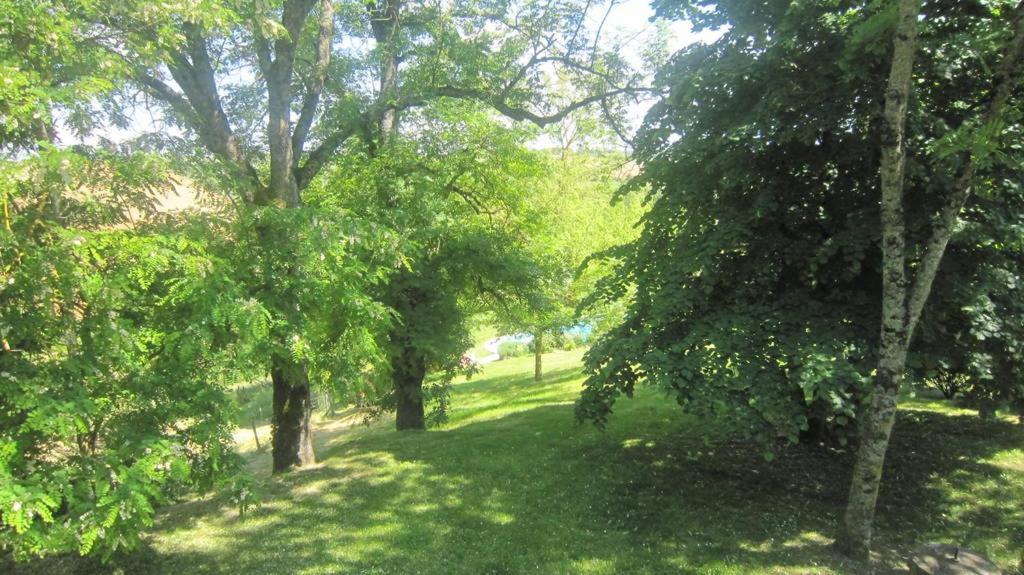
758 275
120 327
121 330
903 300
579 219
297 67
452 188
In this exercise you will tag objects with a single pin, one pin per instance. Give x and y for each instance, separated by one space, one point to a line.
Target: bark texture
902 307
384 23
292 442
408 369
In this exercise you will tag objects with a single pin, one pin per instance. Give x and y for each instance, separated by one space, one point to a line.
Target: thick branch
316 85
283 182
384 16
317 158
203 112
501 104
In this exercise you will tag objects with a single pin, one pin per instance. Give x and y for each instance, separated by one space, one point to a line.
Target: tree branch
312 98
1006 80
278 74
205 117
501 105
317 158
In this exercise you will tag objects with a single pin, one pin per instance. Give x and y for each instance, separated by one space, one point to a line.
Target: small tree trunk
538 352
817 418
855 540
292 442
408 371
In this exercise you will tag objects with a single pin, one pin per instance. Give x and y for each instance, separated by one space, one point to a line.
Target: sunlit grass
513 485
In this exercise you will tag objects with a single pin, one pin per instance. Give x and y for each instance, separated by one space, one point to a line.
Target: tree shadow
532 492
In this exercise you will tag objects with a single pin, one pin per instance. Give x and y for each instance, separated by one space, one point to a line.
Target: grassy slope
511 485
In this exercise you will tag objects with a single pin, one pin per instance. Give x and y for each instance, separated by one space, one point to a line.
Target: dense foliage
758 271
275 91
452 190
120 335
972 336
337 281
581 214
370 188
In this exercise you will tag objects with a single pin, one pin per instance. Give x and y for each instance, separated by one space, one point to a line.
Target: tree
453 189
578 219
120 332
758 273
970 334
120 327
903 301
268 89
736 278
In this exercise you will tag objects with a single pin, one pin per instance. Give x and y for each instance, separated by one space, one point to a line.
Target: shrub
512 349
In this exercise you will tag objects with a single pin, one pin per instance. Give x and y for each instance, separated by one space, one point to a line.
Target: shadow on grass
532 492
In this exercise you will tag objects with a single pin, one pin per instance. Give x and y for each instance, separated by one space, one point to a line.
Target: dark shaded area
408 368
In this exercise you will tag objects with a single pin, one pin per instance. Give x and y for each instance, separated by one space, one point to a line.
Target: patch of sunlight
594 566
499 517
1011 460
805 539
384 524
498 411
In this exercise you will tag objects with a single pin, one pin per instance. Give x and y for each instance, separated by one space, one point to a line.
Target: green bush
512 349
558 341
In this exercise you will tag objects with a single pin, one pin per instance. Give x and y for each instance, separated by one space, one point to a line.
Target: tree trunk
408 370
292 441
384 24
817 423
987 409
538 352
855 538
900 309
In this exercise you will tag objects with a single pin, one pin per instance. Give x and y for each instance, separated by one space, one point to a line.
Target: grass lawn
513 485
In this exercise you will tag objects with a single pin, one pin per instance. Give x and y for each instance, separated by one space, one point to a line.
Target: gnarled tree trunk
292 443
